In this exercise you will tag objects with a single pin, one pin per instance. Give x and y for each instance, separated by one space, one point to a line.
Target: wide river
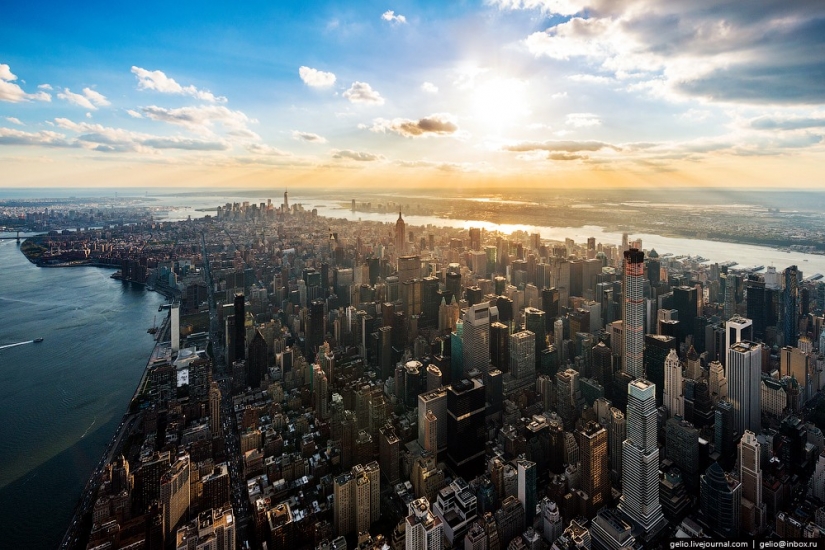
61 400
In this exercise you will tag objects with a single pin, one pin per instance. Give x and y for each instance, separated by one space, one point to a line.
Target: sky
466 94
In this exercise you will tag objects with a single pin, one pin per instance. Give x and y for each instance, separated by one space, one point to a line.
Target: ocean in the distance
61 400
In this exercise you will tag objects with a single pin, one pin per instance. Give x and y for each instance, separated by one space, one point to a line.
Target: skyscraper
720 501
476 338
595 472
672 396
750 474
527 490
465 421
640 459
240 327
256 363
424 530
790 305
522 355
535 323
744 374
400 235
633 314
215 410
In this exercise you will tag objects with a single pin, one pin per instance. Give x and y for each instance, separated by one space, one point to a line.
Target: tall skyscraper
750 474
476 338
672 397
616 434
424 530
790 305
465 422
256 363
527 490
595 472
400 235
240 327
633 314
174 314
522 355
215 410
640 459
534 321
720 498
744 374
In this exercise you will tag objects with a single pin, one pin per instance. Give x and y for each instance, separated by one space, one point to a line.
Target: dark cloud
759 52
794 123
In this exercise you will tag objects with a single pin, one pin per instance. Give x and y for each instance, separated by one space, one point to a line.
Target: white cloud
582 120
14 120
134 114
355 155
11 92
560 7
89 99
591 79
96 97
308 137
44 138
430 88
159 82
439 124
315 78
361 92
559 95
117 140
390 16
202 118
266 150
45 87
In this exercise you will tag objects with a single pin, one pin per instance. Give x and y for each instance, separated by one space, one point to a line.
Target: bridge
8 238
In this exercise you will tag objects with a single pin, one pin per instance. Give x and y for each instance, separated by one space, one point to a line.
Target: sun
499 103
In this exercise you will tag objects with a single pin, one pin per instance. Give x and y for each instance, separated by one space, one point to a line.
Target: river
61 400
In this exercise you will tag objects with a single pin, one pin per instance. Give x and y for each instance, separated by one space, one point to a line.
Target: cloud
560 146
430 88
361 92
89 99
315 78
261 149
439 124
117 140
355 155
203 118
11 92
591 79
559 7
134 114
390 16
582 120
45 87
559 95
718 51
793 122
14 120
44 138
308 137
159 82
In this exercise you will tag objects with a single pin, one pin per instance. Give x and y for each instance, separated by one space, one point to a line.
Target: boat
38 340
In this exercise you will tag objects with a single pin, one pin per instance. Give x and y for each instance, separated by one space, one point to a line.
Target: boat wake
17 344
89 428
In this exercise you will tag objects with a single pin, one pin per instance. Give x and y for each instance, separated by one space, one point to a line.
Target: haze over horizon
468 95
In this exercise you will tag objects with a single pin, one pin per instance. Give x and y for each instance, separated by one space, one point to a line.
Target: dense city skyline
533 93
